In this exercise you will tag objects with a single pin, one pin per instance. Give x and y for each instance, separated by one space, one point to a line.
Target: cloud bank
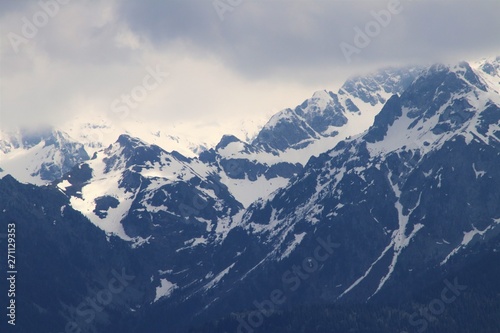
226 59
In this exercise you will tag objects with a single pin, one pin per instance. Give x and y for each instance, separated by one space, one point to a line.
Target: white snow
165 289
319 101
105 184
398 243
64 184
478 173
296 241
103 130
286 114
492 80
196 241
399 238
468 237
247 191
106 181
139 241
358 281
219 277
24 164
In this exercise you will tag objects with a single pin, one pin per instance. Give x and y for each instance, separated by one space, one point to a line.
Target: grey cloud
260 38
278 42
78 32
297 39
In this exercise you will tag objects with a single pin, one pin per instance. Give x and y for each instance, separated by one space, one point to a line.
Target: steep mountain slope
277 153
38 157
248 171
131 180
68 273
489 70
472 308
327 118
376 217
42 155
172 211
285 144
403 202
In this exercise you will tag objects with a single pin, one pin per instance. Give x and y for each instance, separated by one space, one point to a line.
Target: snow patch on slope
164 290
219 277
247 192
296 241
467 238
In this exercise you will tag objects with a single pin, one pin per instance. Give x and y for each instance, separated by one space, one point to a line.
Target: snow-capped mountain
489 70
41 156
365 195
325 119
395 208
286 142
98 132
168 208
38 157
404 201
277 152
122 186
249 171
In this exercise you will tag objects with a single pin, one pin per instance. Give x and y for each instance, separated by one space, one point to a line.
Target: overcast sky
225 59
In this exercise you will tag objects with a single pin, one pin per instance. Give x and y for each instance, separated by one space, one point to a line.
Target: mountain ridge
372 218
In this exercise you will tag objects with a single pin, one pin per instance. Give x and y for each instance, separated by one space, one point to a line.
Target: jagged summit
375 193
328 115
226 140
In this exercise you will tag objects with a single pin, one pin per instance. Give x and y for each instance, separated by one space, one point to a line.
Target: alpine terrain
373 208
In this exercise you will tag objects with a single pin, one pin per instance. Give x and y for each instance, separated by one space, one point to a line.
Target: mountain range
371 196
